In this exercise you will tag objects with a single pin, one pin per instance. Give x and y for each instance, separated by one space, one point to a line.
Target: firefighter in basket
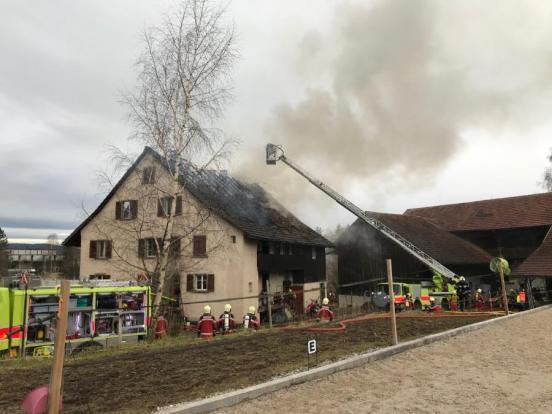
325 314
226 320
207 324
250 320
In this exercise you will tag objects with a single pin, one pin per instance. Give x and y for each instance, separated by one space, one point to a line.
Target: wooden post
54 397
392 302
120 314
269 304
503 287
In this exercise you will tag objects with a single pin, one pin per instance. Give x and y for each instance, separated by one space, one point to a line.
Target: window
99 276
126 210
270 248
100 249
282 248
148 175
233 239
150 248
290 249
147 248
164 207
200 246
200 282
313 253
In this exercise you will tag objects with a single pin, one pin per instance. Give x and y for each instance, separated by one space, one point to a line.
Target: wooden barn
463 237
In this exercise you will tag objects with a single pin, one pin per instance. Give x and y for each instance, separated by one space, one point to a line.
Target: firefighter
433 307
250 320
521 299
325 314
408 302
161 327
463 292
454 301
226 320
478 298
207 324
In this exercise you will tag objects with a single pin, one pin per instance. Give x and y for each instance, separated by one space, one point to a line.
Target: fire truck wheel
87 346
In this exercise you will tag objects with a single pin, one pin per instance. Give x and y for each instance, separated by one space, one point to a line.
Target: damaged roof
247 206
500 213
443 246
539 263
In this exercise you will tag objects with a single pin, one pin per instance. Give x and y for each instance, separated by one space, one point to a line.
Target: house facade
228 238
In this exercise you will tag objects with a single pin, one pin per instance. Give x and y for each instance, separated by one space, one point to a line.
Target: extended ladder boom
272 156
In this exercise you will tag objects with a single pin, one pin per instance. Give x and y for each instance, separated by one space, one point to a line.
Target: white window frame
150 249
165 205
101 249
128 211
200 282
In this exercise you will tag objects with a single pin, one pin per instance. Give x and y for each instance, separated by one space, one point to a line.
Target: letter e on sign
311 346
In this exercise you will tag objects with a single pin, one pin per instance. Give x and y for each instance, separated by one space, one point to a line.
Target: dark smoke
393 85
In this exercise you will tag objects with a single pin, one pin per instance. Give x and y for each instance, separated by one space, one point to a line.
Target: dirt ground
503 368
144 378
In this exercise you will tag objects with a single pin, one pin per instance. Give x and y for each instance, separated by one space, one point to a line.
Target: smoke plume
392 86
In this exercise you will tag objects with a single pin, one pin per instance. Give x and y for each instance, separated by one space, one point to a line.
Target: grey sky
464 87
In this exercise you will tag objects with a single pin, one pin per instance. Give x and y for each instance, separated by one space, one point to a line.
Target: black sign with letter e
311 346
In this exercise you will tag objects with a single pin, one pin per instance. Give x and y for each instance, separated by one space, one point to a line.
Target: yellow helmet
252 309
227 308
325 301
206 309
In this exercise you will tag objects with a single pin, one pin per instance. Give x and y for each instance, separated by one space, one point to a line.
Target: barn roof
501 213
245 205
539 263
443 246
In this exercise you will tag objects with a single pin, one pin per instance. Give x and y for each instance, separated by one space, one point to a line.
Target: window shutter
175 246
141 247
134 208
160 212
92 252
118 210
108 249
159 246
190 283
178 207
200 245
210 283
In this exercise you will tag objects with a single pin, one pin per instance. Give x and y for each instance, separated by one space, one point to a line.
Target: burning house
230 239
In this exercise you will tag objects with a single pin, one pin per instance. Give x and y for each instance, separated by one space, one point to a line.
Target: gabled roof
501 213
247 206
539 263
443 246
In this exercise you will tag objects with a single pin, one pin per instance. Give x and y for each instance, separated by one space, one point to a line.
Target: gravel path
504 368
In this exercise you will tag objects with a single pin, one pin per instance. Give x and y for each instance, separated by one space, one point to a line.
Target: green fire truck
101 313
421 292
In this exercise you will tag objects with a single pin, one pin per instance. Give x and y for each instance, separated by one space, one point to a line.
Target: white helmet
432 299
206 309
325 301
479 290
454 292
227 308
252 309
462 278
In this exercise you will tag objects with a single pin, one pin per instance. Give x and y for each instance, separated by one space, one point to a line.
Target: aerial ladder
275 153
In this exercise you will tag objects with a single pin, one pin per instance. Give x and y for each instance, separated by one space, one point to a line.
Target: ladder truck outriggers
275 153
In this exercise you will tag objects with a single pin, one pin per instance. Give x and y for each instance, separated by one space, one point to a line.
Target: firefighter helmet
325 301
206 309
227 308
479 290
252 309
432 299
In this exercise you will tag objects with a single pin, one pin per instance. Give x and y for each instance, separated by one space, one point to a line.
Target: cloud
393 85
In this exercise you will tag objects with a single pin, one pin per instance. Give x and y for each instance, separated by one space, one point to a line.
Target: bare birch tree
183 85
